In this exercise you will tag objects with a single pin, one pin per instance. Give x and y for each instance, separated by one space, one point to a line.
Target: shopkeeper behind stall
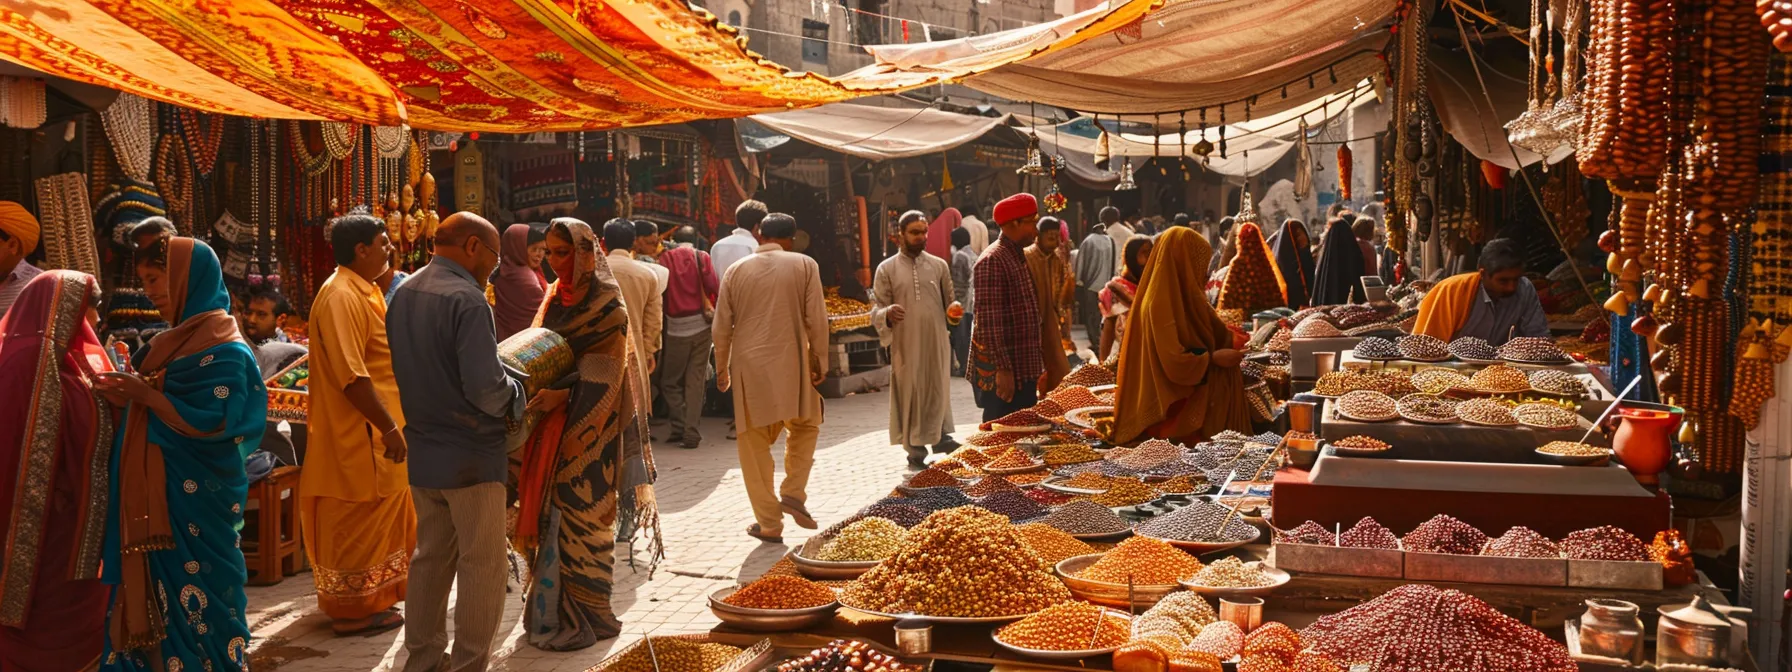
1496 303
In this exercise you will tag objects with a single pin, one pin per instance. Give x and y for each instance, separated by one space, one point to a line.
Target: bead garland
22 102
203 135
340 138
127 123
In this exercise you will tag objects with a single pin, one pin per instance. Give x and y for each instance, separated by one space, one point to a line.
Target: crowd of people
127 487
128 483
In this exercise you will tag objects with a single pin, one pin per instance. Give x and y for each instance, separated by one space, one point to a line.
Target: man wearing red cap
1005 345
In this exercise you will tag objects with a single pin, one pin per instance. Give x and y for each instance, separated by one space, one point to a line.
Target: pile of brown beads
1369 534
674 654
1146 561
1574 449
1552 381
1437 380
1071 626
1051 544
1361 444
782 592
1500 379
1546 416
1522 542
1486 411
1423 628
1444 534
844 655
1366 406
965 562
1605 543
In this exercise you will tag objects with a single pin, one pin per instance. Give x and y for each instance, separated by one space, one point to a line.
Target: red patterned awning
469 65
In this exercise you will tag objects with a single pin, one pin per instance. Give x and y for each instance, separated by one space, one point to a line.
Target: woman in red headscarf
57 440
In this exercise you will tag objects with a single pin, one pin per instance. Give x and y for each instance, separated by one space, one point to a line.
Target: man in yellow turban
18 239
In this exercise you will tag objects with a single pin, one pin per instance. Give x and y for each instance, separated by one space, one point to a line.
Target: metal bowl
827 570
1280 577
1205 547
1575 460
768 620
1042 654
1105 593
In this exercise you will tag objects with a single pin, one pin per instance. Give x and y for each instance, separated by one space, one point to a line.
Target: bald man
18 238
457 402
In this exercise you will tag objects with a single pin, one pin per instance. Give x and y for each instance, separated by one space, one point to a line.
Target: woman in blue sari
192 412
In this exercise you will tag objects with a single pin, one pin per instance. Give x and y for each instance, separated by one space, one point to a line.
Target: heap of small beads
1143 560
1605 543
1422 628
1369 534
1071 626
1444 534
1522 542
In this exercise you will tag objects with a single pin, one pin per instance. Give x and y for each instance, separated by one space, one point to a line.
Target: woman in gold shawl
588 464
1179 377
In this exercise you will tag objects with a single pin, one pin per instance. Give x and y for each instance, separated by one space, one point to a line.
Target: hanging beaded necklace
127 124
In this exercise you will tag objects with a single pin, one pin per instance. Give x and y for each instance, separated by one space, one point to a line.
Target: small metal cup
914 637
1301 414
1244 612
1325 362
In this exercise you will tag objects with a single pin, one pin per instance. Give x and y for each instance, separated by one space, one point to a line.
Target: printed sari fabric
178 484
53 469
582 459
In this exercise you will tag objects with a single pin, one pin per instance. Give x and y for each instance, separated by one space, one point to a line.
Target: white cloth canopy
879 133
1251 146
1203 53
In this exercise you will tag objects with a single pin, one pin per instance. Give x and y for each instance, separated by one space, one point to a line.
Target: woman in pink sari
54 450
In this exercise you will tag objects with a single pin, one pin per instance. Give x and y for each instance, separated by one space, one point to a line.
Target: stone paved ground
704 514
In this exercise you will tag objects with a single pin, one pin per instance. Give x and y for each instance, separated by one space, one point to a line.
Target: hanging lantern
1126 183
1035 164
1345 163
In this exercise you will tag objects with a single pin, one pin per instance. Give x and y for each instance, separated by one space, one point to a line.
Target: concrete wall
775 28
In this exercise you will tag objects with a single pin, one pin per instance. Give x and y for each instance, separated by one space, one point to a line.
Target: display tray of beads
1384 563
807 564
767 620
1486 569
1107 593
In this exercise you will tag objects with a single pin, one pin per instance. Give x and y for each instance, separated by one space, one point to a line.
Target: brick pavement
704 515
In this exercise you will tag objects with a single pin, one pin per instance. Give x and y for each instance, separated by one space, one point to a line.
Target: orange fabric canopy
465 65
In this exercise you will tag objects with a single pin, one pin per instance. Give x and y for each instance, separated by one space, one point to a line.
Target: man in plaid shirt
1005 338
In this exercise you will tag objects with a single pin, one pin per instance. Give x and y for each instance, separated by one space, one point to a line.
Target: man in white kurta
771 334
910 294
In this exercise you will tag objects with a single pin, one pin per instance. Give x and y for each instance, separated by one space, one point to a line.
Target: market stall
1038 545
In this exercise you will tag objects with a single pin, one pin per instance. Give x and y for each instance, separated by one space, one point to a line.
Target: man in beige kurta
640 292
1051 284
771 334
910 294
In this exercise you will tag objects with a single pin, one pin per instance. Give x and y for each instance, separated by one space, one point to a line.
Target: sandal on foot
753 531
798 512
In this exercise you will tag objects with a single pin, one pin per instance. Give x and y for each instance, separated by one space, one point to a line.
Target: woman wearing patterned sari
588 453
53 457
194 411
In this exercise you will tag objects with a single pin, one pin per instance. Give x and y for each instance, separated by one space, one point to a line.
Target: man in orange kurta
355 507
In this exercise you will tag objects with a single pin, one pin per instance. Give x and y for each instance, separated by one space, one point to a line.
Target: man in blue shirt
458 404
